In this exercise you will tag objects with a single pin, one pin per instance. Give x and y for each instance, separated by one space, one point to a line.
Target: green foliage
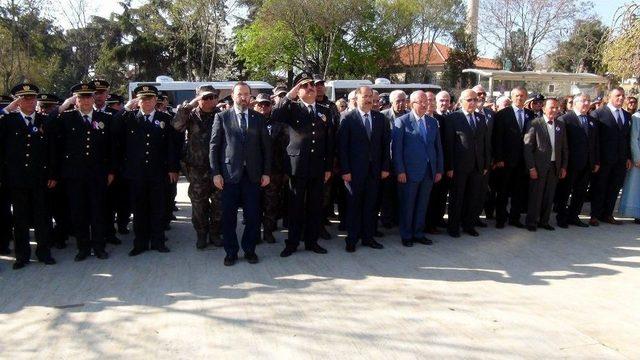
462 56
621 53
582 52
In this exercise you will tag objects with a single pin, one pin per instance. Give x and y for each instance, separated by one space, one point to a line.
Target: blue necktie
583 121
472 122
367 125
520 121
423 129
86 119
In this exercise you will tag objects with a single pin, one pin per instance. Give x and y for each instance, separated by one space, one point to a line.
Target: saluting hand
13 106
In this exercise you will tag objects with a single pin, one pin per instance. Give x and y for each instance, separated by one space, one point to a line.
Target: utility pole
472 20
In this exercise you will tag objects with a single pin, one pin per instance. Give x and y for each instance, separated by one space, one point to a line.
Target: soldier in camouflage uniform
196 118
273 195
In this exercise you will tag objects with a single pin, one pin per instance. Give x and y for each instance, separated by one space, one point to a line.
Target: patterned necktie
367 125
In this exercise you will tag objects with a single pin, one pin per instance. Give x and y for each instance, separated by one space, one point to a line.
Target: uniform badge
323 117
591 123
100 125
161 124
557 128
269 129
34 130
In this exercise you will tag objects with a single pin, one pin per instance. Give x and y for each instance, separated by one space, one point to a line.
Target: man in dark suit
511 176
438 199
364 138
86 155
546 156
466 159
6 218
418 162
240 157
614 131
310 160
388 186
148 153
584 159
28 169
488 193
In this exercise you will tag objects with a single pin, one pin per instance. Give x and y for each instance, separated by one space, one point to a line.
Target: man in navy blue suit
364 138
418 161
240 157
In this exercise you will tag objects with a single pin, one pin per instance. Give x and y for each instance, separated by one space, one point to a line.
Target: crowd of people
422 162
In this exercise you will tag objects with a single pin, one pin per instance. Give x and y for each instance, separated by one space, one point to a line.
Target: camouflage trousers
206 201
273 202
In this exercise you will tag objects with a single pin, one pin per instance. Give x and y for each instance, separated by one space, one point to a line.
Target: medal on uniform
100 125
557 128
161 124
323 117
34 129
269 129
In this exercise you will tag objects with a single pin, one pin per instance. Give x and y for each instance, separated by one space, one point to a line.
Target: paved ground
506 294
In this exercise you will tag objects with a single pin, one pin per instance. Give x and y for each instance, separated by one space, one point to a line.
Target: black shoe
481 224
251 258
175 208
500 225
136 251
316 249
19 265
531 228
372 244
563 224
123 230
324 234
636 221
161 248
407 242
350 248
230 260
167 227
454 233
423 241
82 255
516 223
579 223
268 238
216 240
101 254
5 251
112 239
47 260
378 234
173 217
546 227
288 251
201 243
471 231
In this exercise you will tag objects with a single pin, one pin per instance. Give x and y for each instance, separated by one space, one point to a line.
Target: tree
462 56
512 56
621 52
582 51
527 30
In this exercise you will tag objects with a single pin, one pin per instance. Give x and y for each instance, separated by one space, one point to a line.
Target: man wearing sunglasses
196 119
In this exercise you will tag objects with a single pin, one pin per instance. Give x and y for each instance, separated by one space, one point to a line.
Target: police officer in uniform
115 102
6 221
196 118
310 160
273 194
27 160
87 167
149 158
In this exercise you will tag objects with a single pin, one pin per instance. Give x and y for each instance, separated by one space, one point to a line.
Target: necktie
550 122
472 122
583 122
146 117
243 123
310 107
367 125
86 119
619 118
520 121
423 129
29 119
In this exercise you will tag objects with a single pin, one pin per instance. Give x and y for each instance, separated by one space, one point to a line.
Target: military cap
280 90
83 89
317 79
100 84
145 90
204 90
161 99
48 99
114 99
303 78
5 99
262 97
25 89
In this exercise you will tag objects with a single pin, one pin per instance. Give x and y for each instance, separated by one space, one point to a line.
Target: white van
336 89
180 91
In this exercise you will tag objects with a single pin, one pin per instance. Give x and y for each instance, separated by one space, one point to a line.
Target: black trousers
59 206
149 200
361 209
305 210
607 183
87 204
118 206
389 200
511 183
245 194
172 191
30 207
574 185
437 203
465 199
6 219
541 194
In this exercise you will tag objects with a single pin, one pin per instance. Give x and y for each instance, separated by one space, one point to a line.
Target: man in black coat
511 175
240 158
28 168
364 140
86 153
6 218
467 160
148 157
584 159
614 131
310 160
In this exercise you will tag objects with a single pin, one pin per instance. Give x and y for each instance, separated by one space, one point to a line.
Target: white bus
336 89
179 91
